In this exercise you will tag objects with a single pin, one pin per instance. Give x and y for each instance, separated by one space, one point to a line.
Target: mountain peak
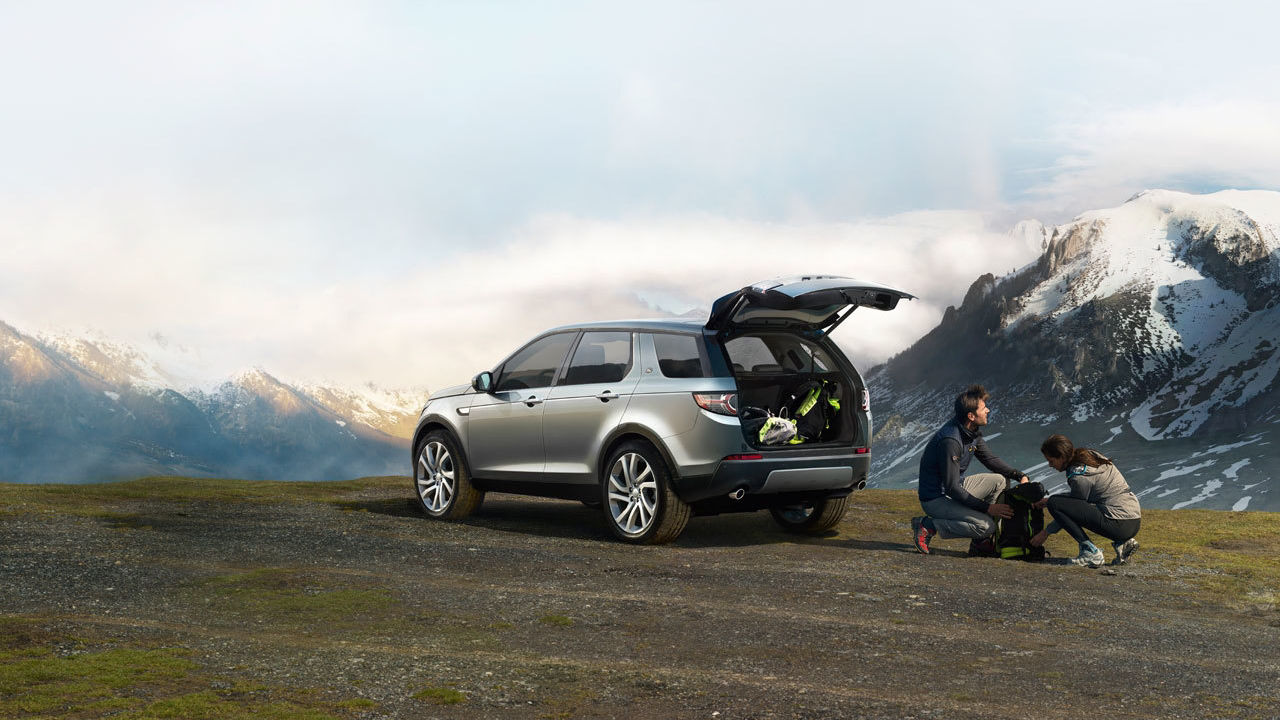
1127 305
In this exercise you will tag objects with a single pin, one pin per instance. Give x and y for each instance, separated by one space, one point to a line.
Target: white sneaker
1124 551
1086 558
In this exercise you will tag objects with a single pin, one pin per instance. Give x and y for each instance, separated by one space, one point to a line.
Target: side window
777 353
750 354
601 357
678 355
535 366
822 362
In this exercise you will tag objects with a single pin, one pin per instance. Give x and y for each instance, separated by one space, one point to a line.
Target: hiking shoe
1124 551
982 547
920 534
1087 558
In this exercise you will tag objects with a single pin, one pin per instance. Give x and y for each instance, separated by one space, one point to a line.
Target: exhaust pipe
861 485
739 493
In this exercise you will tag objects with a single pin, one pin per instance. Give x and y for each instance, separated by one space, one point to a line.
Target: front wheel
639 504
811 518
440 479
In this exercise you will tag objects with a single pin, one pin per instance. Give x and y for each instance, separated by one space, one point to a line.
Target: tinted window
601 357
776 353
678 355
536 364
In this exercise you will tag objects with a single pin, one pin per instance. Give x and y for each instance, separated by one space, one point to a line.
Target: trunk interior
772 390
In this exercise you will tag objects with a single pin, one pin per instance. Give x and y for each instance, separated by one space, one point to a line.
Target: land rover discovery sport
657 420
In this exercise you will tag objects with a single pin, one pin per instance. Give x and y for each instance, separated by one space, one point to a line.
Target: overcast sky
403 192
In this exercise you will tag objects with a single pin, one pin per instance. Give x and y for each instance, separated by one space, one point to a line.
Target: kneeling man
956 506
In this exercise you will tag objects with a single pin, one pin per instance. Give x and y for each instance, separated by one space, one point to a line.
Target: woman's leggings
1076 515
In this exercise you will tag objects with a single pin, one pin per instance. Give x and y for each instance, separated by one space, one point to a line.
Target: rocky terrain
194 598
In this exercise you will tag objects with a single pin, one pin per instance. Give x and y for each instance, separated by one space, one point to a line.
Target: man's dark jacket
946 458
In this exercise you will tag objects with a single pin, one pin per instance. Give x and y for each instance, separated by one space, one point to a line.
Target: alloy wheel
436 477
633 494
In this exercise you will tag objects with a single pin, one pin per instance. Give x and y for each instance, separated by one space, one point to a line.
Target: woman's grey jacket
1105 487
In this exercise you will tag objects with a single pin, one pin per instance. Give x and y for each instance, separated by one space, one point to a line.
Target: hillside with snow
87 409
1150 328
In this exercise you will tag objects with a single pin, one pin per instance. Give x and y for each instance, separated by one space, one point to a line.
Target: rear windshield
779 352
678 355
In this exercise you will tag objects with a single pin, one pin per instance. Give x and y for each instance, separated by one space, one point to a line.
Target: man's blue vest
933 464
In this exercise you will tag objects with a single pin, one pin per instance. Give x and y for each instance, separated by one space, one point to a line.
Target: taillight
744 457
866 401
718 403
862 451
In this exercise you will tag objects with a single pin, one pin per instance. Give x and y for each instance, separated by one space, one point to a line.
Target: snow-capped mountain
1151 327
83 409
394 412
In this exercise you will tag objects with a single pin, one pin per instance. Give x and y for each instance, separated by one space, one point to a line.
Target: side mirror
482 382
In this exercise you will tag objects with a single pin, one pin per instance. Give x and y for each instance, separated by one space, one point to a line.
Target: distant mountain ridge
76 409
1151 328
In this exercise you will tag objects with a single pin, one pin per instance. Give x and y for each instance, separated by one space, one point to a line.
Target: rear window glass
777 353
678 355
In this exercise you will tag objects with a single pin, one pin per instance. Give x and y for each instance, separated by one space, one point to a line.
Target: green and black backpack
813 406
1013 536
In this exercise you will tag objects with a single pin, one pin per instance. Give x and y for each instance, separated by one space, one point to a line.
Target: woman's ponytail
1059 447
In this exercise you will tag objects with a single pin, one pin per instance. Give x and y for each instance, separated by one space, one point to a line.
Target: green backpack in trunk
813 405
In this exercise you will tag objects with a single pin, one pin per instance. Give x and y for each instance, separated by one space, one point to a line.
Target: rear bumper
781 472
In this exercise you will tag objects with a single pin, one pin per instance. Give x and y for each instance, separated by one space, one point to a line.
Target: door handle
606 396
532 400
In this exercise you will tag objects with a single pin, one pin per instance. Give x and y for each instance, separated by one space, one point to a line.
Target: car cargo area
775 392
773 371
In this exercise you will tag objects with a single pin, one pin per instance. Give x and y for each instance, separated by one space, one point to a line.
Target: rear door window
601 357
678 355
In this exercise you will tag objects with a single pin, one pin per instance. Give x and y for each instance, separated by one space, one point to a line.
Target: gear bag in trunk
813 406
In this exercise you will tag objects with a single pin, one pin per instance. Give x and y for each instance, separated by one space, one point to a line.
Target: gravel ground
529 609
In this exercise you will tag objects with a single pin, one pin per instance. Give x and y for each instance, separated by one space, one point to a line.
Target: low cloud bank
236 302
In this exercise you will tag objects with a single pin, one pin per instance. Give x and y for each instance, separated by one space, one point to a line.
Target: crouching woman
1098 500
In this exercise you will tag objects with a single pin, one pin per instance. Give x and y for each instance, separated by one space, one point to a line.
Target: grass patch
123 521
294 597
1235 552
210 705
440 696
45 673
557 620
36 681
89 500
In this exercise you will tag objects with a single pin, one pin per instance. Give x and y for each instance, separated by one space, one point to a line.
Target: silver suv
655 421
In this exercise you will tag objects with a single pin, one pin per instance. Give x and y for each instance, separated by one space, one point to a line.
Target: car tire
811 519
639 504
441 480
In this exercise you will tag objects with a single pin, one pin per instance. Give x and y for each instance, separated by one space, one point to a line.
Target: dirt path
530 610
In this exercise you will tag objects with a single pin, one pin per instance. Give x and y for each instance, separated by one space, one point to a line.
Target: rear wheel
440 479
639 504
812 518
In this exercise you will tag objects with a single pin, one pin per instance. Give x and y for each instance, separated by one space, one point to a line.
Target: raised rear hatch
802 302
